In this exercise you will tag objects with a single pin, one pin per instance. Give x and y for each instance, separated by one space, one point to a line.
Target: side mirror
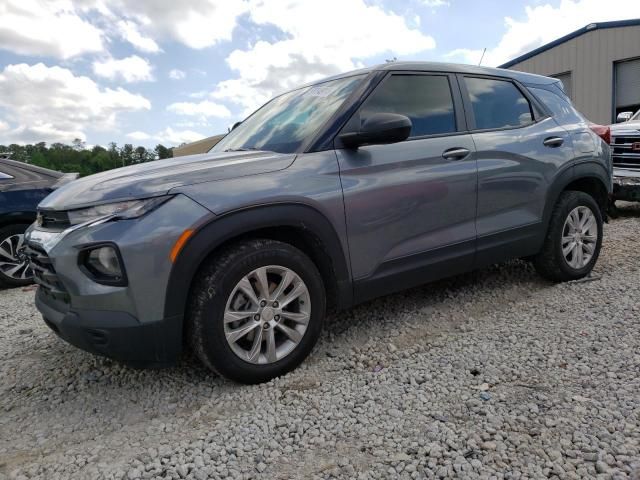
624 117
379 129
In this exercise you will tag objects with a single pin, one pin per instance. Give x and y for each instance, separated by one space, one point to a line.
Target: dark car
22 187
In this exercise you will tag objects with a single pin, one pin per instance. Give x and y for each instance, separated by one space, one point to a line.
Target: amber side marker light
177 247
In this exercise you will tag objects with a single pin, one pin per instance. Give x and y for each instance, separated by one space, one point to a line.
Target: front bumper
116 335
626 185
124 322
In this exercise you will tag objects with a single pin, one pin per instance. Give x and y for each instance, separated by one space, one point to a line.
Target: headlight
129 209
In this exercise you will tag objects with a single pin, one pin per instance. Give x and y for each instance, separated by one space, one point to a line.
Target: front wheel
574 238
14 266
256 310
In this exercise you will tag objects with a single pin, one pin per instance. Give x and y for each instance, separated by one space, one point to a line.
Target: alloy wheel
267 314
579 237
13 261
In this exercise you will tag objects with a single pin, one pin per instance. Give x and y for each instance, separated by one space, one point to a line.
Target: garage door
628 83
565 78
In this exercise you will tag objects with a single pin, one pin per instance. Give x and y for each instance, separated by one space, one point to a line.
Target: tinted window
4 176
425 99
498 104
559 105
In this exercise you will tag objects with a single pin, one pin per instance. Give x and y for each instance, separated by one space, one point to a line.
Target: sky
166 71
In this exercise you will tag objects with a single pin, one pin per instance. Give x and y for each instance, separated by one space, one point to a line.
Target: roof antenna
482 57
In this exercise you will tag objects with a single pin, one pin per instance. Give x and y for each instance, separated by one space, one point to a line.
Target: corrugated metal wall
590 59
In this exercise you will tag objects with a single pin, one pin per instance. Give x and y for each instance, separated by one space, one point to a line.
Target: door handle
455 153
553 142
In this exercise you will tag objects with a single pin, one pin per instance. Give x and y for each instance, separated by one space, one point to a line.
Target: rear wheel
14 266
574 239
256 311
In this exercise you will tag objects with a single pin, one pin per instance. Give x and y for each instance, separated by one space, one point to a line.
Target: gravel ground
494 374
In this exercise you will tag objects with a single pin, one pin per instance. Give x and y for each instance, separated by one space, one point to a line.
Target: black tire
5 233
550 262
210 292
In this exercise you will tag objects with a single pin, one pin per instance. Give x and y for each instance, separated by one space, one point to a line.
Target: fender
216 230
593 169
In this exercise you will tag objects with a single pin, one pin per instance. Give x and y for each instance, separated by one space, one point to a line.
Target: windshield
287 122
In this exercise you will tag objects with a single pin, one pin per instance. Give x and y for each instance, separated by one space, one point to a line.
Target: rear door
410 206
519 152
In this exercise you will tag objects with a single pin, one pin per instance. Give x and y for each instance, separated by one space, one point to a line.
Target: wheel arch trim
214 231
590 169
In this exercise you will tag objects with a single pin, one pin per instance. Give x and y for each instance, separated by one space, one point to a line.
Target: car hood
160 176
633 126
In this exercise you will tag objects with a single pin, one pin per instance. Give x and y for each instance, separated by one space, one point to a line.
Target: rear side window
5 176
497 104
559 105
425 99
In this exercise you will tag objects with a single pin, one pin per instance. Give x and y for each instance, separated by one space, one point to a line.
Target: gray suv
329 195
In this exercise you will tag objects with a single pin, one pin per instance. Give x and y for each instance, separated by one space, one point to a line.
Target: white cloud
178 137
130 69
176 74
3 126
197 24
52 104
131 33
138 135
435 3
545 23
205 109
52 28
309 50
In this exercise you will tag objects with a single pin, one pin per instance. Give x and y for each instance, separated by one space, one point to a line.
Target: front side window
289 121
425 99
636 116
497 104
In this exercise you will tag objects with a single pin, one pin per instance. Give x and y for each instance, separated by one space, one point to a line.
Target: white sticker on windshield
319 92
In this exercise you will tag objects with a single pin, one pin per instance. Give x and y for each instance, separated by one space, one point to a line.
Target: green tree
126 154
77 158
163 152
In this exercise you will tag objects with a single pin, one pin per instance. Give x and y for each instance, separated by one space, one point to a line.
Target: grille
53 220
45 275
626 151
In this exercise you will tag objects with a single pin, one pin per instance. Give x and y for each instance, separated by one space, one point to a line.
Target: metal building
599 66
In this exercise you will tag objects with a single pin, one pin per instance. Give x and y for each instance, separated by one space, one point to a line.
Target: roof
442 67
588 28
199 146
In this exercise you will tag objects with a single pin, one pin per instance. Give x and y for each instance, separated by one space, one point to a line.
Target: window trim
458 107
547 109
557 77
539 114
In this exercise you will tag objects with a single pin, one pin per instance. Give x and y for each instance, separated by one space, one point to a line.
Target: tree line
80 159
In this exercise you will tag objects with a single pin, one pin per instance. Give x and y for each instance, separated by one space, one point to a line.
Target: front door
410 206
